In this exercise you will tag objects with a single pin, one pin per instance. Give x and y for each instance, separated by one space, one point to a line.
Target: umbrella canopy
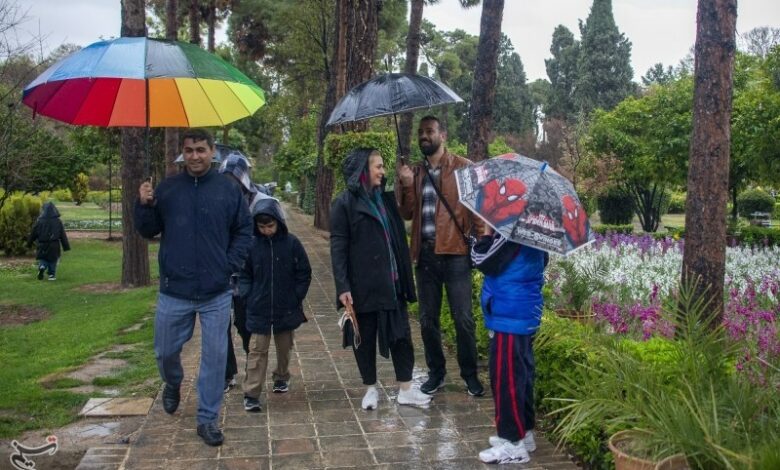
391 93
142 82
527 202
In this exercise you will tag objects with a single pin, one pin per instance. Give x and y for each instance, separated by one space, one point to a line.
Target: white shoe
507 452
370 399
413 397
528 441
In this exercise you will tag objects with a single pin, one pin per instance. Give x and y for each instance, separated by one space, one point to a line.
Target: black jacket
206 232
358 251
276 276
49 232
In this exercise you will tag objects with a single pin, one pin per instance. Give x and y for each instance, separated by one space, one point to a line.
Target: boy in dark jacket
49 232
274 280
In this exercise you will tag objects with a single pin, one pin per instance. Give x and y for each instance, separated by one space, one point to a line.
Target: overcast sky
659 30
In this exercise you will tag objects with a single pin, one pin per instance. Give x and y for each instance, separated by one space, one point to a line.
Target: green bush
100 198
776 213
79 188
676 204
755 200
604 229
16 220
616 207
62 195
759 236
338 146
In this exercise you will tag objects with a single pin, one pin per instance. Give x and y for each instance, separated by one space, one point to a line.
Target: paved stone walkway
319 422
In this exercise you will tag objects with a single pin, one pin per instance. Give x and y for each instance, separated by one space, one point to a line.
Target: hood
49 211
238 166
269 206
354 164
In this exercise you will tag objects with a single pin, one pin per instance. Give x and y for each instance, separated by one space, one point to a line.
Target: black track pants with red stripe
512 371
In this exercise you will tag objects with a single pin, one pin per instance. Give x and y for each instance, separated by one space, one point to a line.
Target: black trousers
239 319
401 351
435 272
512 371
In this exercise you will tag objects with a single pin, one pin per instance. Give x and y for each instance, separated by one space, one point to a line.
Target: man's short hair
197 135
264 219
430 117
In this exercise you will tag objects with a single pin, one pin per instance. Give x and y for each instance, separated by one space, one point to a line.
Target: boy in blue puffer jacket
512 308
275 280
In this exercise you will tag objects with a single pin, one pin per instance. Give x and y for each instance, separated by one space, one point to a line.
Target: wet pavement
319 422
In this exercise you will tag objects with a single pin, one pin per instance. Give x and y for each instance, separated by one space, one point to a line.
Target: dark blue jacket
206 232
276 276
512 298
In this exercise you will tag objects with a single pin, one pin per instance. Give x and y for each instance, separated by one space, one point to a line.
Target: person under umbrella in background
49 233
206 233
439 250
372 273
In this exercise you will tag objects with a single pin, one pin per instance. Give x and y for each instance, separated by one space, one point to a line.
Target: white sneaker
528 441
370 399
506 453
413 397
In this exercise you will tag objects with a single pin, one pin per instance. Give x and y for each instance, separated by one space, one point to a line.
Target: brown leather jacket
449 240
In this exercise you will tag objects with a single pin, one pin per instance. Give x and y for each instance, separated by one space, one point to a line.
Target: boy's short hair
264 219
197 135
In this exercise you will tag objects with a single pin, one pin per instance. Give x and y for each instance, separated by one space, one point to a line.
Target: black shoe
229 383
40 273
474 386
432 384
170 398
281 386
252 405
211 434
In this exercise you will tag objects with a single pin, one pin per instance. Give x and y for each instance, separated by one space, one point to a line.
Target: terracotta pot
577 315
624 461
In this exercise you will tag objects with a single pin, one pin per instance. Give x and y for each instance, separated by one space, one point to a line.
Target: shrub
100 198
62 195
755 200
759 236
338 146
16 220
605 229
616 207
676 204
79 188
776 213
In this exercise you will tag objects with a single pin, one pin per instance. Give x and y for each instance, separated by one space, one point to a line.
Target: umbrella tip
543 167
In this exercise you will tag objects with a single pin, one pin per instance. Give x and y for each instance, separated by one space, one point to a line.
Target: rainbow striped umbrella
143 82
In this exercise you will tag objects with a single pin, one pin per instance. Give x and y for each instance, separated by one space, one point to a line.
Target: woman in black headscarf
373 273
49 232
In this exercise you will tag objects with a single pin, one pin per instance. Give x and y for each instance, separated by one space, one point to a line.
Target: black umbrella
391 93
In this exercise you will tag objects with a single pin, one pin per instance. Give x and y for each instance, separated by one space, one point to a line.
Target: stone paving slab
319 422
101 407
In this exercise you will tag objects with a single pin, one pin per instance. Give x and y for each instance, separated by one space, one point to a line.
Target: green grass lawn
86 211
81 324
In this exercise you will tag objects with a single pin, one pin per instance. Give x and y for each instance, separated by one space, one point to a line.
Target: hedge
605 229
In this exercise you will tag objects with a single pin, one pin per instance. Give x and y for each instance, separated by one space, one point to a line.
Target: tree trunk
483 91
211 20
704 259
135 249
194 22
412 58
171 133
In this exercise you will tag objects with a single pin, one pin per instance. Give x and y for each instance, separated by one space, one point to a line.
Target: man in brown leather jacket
440 253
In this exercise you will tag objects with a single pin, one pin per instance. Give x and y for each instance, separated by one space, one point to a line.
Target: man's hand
406 175
146 193
346 298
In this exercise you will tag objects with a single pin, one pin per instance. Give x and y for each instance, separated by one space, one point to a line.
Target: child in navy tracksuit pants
512 308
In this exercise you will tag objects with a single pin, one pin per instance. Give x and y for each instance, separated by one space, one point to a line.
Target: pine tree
562 72
514 108
604 64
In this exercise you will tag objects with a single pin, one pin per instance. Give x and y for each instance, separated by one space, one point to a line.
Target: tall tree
514 107
704 259
194 17
658 74
410 66
759 41
562 72
171 133
483 92
604 63
135 249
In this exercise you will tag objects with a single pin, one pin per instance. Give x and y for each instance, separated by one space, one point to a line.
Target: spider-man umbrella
526 201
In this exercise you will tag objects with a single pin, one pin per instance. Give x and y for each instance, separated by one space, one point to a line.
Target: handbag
350 332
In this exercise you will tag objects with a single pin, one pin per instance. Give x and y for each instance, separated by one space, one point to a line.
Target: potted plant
623 446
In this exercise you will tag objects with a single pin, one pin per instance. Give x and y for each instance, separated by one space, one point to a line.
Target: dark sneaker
432 384
252 405
211 434
229 383
40 273
170 398
474 386
281 386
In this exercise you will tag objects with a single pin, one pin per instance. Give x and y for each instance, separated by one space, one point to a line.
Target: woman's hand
345 298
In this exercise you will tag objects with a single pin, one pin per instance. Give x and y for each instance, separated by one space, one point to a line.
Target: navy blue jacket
206 232
276 276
